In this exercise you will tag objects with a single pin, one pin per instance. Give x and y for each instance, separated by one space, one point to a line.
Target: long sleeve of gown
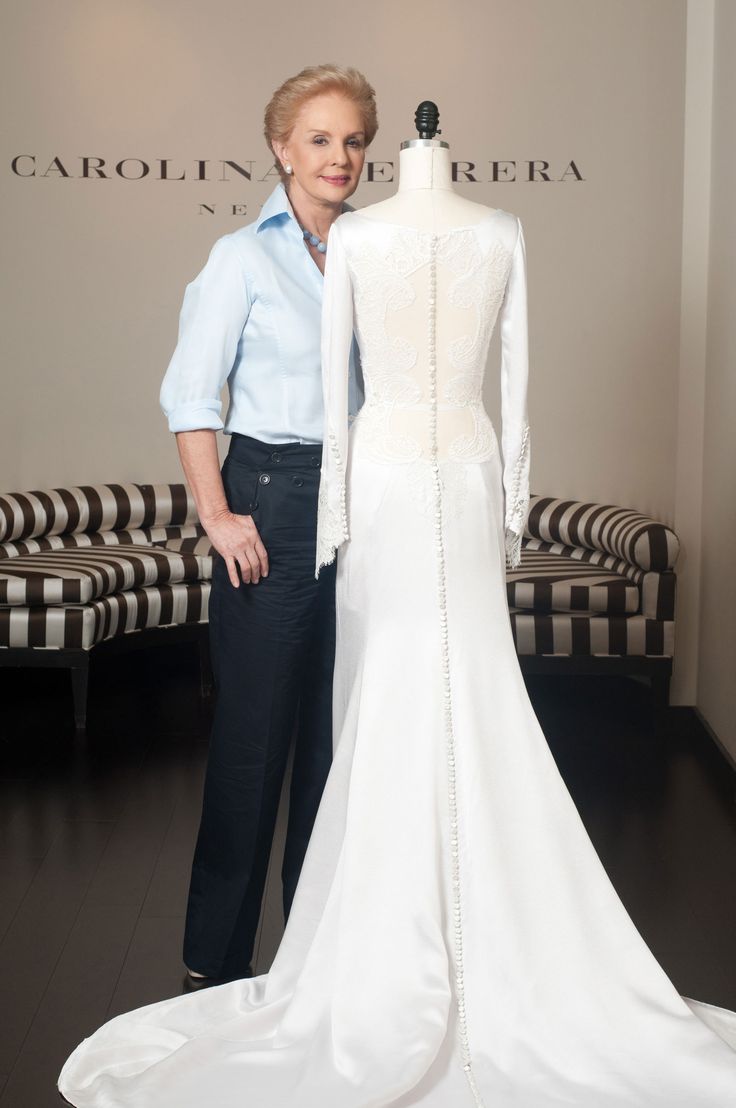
337 335
515 426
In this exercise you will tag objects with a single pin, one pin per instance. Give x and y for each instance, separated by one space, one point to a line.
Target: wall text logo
89 168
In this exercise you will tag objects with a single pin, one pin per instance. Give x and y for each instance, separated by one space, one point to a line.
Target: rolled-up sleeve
214 312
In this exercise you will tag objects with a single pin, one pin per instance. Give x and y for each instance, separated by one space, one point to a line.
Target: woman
252 317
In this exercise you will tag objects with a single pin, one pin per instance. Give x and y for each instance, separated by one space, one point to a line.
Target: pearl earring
287 167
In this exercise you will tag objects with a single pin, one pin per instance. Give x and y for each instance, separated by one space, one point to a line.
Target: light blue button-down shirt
252 318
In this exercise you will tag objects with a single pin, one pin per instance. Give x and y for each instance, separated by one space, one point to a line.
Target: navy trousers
273 650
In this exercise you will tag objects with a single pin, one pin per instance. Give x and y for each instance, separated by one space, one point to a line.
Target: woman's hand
236 538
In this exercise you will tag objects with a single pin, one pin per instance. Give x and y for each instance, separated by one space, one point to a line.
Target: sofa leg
80 685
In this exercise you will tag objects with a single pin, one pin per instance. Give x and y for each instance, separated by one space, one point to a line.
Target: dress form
426 199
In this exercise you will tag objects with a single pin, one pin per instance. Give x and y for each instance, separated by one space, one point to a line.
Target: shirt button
298 481
265 479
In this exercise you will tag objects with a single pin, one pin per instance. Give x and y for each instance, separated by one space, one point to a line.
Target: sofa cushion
93 508
199 547
657 590
79 628
573 634
552 581
80 575
140 536
190 544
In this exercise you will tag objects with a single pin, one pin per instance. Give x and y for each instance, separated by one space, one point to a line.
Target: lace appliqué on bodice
394 418
480 280
396 279
381 287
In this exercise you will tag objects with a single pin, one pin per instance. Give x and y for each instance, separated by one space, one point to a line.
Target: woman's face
326 149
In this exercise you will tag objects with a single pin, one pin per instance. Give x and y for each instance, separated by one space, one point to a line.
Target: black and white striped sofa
595 592
81 566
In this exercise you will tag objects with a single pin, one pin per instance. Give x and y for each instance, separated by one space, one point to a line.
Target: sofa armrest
622 532
658 592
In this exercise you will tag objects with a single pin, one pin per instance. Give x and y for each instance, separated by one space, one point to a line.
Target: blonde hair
288 99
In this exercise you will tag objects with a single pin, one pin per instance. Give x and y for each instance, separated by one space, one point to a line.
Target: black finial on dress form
426 118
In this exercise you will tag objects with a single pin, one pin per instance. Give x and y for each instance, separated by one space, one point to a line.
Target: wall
688 520
717 642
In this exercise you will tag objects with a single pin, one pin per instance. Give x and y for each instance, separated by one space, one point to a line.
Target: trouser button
264 478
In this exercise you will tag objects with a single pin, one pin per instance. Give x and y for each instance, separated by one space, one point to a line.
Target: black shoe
192 982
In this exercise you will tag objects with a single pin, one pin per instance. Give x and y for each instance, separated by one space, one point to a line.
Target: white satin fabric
454 940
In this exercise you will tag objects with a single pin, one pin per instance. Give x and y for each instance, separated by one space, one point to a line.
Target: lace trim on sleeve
513 549
518 508
332 516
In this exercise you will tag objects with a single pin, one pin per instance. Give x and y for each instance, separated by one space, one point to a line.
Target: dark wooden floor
97 842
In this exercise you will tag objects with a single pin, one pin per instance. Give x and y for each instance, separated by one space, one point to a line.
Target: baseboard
720 747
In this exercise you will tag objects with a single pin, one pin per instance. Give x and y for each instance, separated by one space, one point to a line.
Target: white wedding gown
454 941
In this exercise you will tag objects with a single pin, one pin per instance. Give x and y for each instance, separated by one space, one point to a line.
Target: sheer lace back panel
420 349
424 306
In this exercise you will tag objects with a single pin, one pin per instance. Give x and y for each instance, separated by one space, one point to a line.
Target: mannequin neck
425 167
426 199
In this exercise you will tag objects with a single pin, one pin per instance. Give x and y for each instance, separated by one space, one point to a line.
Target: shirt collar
278 207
